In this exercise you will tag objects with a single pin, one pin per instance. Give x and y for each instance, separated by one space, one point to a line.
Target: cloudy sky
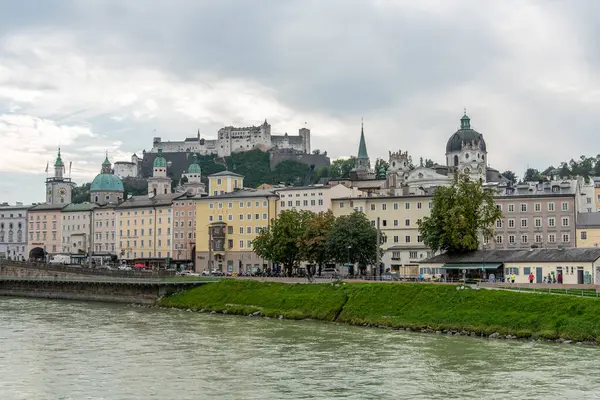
108 75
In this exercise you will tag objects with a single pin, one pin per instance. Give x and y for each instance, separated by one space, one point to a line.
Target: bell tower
58 188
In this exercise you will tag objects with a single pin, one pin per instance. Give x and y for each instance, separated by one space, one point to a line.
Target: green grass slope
415 306
298 301
440 307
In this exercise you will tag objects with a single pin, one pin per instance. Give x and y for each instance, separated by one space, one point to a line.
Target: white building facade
315 198
13 232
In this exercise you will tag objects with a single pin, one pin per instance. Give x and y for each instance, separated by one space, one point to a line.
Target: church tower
58 188
362 168
194 185
160 183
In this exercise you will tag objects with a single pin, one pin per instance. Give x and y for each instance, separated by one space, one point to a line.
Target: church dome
107 183
464 134
194 168
160 161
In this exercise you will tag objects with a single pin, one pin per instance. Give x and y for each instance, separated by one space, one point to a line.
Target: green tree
510 175
353 239
532 175
340 168
81 194
281 242
460 215
313 242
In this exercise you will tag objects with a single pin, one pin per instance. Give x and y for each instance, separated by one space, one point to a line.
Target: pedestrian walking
531 277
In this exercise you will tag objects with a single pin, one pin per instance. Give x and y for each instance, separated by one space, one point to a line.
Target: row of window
182 213
38 218
159 243
384 206
512 239
159 232
37 226
282 195
407 239
160 211
413 255
395 222
107 247
181 235
219 204
537 207
181 224
11 237
568 270
98 224
10 225
304 203
68 217
37 235
537 222
19 215
68 227
150 221
241 217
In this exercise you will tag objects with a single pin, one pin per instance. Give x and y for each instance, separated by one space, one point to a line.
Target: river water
74 350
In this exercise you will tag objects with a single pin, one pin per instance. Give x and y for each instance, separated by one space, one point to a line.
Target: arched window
154 190
456 161
96 199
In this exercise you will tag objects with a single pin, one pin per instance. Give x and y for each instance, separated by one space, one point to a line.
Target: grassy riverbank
415 306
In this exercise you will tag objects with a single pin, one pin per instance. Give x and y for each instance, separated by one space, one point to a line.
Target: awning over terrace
480 267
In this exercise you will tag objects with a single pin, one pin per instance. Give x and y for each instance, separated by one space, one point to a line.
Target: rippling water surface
70 350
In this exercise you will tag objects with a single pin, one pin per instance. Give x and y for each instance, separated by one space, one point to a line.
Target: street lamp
349 259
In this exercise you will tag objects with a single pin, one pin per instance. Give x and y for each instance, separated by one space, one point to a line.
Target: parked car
125 268
60 259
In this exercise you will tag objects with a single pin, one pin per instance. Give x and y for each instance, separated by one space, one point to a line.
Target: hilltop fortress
233 140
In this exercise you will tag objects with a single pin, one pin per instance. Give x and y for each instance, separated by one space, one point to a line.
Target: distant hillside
253 165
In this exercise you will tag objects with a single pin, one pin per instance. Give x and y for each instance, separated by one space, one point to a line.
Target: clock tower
58 188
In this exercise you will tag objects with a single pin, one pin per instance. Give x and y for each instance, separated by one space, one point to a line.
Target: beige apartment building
104 247
45 231
399 218
315 198
184 230
77 230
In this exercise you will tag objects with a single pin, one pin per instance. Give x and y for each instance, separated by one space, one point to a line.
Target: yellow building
588 230
224 182
399 218
226 225
145 229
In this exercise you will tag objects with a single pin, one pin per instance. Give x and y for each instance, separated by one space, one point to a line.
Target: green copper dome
464 134
160 161
194 167
107 183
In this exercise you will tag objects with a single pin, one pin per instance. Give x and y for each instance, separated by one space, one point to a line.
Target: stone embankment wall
98 290
90 291
23 269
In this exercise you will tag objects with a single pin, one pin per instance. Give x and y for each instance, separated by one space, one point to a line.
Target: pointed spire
106 162
59 161
362 147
